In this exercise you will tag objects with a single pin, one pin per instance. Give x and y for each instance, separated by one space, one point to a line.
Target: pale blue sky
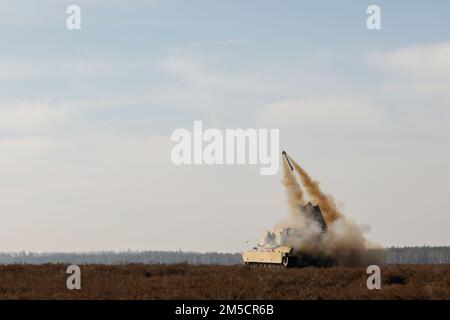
85 119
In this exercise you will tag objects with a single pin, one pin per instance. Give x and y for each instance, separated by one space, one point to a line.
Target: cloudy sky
86 118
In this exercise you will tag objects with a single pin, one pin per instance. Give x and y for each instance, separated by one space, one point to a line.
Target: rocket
287 159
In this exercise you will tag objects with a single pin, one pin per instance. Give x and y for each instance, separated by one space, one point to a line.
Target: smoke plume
325 202
343 242
293 191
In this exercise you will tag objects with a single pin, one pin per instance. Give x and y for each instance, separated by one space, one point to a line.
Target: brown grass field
222 282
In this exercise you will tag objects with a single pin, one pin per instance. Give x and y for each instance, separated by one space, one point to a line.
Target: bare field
183 281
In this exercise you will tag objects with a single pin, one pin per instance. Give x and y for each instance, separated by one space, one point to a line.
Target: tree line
393 255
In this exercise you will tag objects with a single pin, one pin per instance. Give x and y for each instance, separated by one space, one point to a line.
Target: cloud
423 61
25 116
31 68
203 80
322 113
415 86
415 71
198 85
194 71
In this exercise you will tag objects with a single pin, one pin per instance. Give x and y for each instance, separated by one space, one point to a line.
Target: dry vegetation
222 282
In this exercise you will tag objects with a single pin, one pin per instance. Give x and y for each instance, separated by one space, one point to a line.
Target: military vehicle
280 256
276 248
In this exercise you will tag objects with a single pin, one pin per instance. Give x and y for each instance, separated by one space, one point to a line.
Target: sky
86 117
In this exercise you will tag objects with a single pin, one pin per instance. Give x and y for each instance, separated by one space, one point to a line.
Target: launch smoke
344 242
325 202
293 191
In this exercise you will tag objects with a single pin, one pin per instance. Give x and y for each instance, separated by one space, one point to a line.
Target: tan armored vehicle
281 256
276 249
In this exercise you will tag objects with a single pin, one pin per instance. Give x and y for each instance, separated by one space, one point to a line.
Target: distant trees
418 255
406 255
125 257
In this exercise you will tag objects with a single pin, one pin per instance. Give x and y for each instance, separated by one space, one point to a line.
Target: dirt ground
184 281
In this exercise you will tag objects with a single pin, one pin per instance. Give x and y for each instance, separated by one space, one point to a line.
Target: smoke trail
342 244
293 191
325 202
